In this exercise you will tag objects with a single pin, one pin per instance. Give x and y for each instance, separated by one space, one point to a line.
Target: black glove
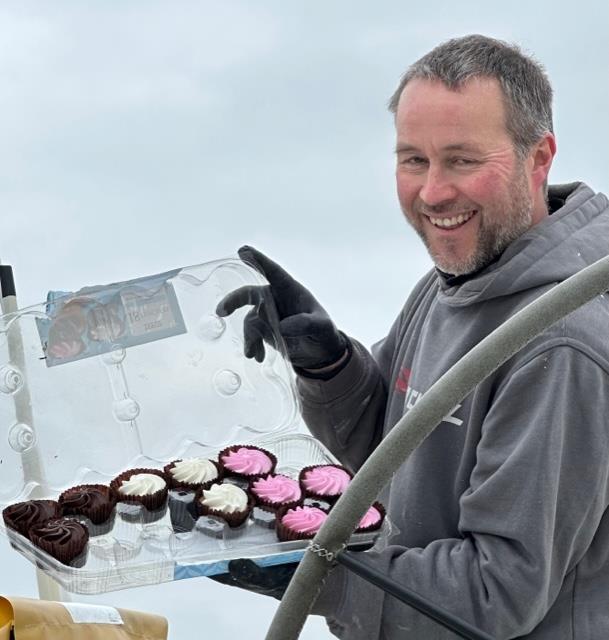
268 581
312 340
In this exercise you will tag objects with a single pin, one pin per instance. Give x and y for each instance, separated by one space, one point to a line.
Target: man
501 514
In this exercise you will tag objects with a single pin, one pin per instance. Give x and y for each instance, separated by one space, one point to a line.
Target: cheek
406 189
483 187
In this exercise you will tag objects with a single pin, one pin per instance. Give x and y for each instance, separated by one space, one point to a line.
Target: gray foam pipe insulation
416 425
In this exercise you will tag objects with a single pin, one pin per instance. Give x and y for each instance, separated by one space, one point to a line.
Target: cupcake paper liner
332 498
247 476
190 486
153 502
233 520
97 513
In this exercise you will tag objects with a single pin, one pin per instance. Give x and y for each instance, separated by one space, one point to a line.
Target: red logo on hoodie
401 383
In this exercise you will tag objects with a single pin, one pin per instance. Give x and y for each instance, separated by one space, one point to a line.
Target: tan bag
25 619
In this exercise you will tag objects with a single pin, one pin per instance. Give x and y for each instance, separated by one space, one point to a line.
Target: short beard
494 236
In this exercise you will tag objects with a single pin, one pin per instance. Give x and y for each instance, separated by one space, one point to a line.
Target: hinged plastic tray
137 374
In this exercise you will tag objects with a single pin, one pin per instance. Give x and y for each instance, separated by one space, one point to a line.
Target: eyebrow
460 146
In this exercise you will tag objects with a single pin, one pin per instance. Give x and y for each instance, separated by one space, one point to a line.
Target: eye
463 162
413 161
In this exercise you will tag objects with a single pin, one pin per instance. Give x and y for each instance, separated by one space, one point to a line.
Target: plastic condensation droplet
116 356
211 327
21 437
126 410
227 382
11 379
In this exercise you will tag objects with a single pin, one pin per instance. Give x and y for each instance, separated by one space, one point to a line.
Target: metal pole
417 424
365 569
33 470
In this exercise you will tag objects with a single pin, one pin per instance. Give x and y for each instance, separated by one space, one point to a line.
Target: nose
437 188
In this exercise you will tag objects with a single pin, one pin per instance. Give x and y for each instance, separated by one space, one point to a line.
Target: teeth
452 222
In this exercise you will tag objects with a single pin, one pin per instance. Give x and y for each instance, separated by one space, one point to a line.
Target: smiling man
462 184
501 515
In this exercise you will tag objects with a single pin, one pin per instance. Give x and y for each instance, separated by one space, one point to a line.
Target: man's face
459 181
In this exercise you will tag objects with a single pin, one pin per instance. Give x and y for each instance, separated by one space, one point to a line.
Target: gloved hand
312 340
268 581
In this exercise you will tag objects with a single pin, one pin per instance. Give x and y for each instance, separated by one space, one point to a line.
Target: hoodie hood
573 237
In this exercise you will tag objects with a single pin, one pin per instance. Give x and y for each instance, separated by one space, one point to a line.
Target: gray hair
526 89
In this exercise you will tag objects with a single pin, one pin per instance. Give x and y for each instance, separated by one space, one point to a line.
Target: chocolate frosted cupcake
373 519
95 502
299 523
184 478
63 538
324 481
273 492
146 488
247 461
226 501
22 516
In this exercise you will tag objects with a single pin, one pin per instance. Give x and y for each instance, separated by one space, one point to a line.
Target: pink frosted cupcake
372 520
246 461
324 481
272 492
299 523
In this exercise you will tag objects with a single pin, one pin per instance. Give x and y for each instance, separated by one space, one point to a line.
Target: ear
541 158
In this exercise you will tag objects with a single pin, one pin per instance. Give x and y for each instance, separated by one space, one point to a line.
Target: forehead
429 112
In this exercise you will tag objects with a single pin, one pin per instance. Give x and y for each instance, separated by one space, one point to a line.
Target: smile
452 223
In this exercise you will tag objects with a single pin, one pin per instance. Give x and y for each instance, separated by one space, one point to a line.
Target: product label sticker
98 320
92 613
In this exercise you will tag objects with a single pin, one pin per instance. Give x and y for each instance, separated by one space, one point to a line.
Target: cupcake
142 494
299 523
94 502
372 520
226 501
63 538
246 461
184 478
22 516
324 481
192 473
272 492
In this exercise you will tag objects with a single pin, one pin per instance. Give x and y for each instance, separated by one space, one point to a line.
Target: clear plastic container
137 374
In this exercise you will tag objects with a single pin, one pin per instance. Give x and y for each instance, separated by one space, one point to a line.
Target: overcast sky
142 136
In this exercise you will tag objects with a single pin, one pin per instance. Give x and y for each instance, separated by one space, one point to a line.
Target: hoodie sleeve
347 412
536 498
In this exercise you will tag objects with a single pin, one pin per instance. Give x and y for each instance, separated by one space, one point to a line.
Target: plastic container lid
91 381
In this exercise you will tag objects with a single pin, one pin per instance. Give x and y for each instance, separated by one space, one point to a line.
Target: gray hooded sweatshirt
500 515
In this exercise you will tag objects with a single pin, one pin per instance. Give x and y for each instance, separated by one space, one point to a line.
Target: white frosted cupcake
192 473
184 478
226 501
146 488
